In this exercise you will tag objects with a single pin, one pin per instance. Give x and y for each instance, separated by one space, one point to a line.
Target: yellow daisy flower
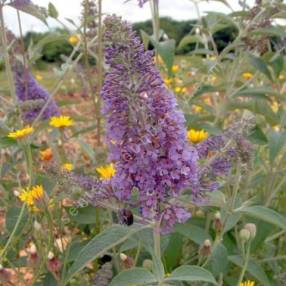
275 106
21 133
196 136
68 167
61 121
106 172
247 283
197 108
39 77
247 75
30 196
168 81
178 89
46 155
73 40
175 68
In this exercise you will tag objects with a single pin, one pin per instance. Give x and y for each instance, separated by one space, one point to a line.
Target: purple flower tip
32 97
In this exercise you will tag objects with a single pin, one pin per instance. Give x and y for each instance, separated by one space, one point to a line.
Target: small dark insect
104 259
126 217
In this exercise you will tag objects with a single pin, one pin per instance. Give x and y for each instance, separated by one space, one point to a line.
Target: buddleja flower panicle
145 131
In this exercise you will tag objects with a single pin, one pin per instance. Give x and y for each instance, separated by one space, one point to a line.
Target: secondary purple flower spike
33 97
20 3
145 131
142 2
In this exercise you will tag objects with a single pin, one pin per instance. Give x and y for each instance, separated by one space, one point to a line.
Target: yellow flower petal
196 136
46 155
68 167
21 133
61 121
247 283
247 75
175 68
106 172
30 196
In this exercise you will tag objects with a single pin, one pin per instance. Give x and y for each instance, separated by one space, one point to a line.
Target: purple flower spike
145 131
20 3
32 97
142 2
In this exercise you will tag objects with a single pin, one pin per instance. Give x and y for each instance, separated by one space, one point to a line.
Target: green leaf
12 217
83 215
219 260
253 268
145 38
191 274
135 276
166 50
278 31
207 89
100 244
257 136
34 10
265 214
189 39
260 65
7 142
158 268
277 65
276 141
172 254
257 92
193 232
52 10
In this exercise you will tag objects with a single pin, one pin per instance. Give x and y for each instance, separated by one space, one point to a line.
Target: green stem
3 252
156 24
29 163
157 239
6 56
99 70
246 259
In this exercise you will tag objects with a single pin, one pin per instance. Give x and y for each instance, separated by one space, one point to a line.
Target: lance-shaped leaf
100 244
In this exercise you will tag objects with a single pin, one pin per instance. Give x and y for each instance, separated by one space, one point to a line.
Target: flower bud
123 256
16 193
217 222
33 257
37 226
54 264
51 255
251 227
148 264
5 276
244 235
205 250
32 249
126 261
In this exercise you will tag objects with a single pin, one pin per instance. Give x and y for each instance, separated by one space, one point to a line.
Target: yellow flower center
106 172
196 136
